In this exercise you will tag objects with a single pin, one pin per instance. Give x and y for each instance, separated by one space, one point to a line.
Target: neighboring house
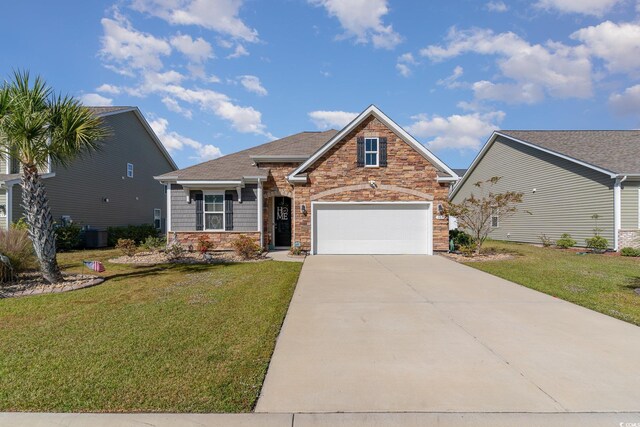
111 187
566 178
368 188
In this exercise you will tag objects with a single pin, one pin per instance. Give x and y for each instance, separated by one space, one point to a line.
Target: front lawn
603 283
174 338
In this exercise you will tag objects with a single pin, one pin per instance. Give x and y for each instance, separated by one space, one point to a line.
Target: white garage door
372 228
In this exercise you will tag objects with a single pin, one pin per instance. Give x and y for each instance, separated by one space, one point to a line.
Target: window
371 151
495 222
157 218
130 170
214 211
3 211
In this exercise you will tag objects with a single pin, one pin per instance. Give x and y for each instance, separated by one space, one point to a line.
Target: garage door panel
394 228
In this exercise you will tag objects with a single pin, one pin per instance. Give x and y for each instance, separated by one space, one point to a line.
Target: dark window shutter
228 212
383 152
197 197
360 161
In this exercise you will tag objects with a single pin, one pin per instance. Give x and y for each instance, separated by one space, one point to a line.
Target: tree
38 127
475 213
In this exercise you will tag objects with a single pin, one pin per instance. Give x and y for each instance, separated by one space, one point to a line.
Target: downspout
260 204
617 210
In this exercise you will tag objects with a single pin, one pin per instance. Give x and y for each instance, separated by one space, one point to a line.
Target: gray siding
3 164
629 209
79 190
245 214
3 201
566 196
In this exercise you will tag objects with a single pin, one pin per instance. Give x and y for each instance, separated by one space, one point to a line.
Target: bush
545 240
204 245
137 233
175 251
68 237
127 247
155 244
630 252
17 247
460 239
566 241
597 243
20 224
245 247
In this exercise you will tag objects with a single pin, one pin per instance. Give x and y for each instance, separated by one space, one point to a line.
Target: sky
217 76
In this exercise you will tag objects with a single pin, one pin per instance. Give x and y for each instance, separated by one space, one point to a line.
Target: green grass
180 338
602 283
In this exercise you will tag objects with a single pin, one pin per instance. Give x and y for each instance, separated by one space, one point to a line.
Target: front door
282 212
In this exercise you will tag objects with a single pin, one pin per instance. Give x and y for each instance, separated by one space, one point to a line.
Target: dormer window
371 154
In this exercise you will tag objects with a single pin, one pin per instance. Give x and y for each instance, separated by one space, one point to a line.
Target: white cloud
217 15
197 50
457 131
404 63
331 119
107 88
496 6
173 141
238 52
518 93
252 84
95 100
130 48
556 69
627 102
173 105
585 7
617 44
362 20
451 81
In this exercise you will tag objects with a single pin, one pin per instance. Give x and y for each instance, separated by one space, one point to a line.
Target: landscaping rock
32 284
154 258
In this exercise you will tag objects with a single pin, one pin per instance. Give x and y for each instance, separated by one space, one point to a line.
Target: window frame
129 170
495 215
376 151
157 218
205 212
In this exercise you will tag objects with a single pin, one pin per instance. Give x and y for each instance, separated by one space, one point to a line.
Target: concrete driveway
417 333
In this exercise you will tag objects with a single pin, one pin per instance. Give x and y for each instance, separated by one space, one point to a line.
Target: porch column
168 226
9 205
260 209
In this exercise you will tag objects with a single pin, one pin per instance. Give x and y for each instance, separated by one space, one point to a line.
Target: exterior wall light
105 199
373 184
303 209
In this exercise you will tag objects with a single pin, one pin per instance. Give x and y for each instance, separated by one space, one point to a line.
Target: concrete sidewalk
321 420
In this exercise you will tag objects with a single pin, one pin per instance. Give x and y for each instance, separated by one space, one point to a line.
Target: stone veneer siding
629 238
407 169
222 240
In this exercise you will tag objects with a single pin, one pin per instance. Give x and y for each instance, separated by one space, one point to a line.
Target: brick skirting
629 238
222 240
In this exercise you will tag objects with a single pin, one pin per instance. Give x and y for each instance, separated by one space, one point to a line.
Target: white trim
168 227
229 183
376 152
492 140
7 165
375 111
260 219
204 211
9 204
429 218
617 211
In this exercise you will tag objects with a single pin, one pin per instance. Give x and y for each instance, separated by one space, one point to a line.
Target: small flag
94 265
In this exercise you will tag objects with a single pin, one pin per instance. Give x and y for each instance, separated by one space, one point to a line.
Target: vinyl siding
3 164
245 214
629 209
79 190
566 196
3 201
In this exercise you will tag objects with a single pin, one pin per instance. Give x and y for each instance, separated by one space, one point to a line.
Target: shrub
155 244
630 252
245 247
545 240
126 246
565 241
296 250
17 247
204 245
20 224
597 243
460 238
68 237
137 233
175 251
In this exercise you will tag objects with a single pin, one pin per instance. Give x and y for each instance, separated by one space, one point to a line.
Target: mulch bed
31 283
478 258
154 258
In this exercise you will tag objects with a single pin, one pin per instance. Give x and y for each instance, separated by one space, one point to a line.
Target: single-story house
110 187
369 188
566 177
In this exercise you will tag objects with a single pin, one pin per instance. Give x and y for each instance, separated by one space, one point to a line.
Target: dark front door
282 211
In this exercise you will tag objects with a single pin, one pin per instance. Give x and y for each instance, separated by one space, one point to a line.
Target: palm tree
38 127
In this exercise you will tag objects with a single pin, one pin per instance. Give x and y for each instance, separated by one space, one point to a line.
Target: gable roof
446 172
241 164
611 152
111 110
